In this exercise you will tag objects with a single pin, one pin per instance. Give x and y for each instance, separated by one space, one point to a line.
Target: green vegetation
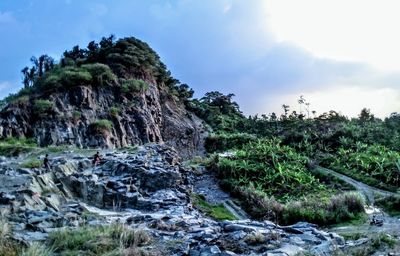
114 111
76 115
223 141
8 247
43 106
31 163
115 239
390 205
375 165
271 167
14 147
133 85
102 125
124 64
38 249
218 212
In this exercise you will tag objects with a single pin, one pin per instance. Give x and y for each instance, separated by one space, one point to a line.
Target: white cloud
357 30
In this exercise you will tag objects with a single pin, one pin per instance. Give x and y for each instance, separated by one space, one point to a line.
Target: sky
341 55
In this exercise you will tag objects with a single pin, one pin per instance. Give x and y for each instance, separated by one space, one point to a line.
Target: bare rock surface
145 188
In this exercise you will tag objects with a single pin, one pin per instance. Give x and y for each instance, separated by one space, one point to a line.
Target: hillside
180 175
112 94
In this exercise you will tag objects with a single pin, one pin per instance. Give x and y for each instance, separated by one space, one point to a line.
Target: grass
8 247
378 244
391 205
98 240
42 106
114 111
322 209
31 163
218 212
102 125
133 86
37 249
15 146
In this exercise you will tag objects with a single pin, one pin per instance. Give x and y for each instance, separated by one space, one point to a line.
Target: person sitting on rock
96 159
46 163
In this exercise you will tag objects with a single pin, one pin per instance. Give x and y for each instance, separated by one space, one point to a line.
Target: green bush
76 115
16 146
43 106
102 125
101 73
271 167
114 111
375 165
321 209
133 85
225 141
98 240
390 204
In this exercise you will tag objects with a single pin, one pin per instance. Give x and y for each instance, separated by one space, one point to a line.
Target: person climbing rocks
96 159
46 163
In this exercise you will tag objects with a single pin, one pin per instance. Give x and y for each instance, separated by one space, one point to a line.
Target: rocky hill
110 95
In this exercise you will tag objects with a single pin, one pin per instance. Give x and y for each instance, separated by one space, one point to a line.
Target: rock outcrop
153 117
146 188
111 95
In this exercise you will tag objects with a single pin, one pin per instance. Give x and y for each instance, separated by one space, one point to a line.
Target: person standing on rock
46 163
96 159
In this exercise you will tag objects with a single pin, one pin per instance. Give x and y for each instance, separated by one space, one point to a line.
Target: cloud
225 45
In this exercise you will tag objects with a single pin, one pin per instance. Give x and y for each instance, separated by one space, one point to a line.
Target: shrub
390 204
133 86
33 163
37 249
16 146
76 115
98 240
226 141
101 73
114 111
102 125
270 167
43 106
66 76
375 165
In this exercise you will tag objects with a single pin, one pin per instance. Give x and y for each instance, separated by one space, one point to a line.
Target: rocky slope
112 96
156 117
146 188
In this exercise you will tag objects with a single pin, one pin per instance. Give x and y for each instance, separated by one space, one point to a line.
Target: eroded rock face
146 188
138 118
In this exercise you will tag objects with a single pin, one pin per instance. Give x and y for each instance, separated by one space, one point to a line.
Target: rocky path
147 189
206 184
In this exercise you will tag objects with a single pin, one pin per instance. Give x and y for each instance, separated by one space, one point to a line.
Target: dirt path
391 225
365 189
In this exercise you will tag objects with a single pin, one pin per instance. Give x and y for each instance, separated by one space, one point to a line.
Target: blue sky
267 52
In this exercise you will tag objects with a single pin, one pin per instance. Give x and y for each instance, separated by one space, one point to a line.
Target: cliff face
112 94
150 116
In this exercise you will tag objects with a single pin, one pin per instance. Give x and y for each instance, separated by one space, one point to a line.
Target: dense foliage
271 167
127 63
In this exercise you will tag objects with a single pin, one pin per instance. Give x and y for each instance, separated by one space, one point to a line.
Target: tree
365 115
